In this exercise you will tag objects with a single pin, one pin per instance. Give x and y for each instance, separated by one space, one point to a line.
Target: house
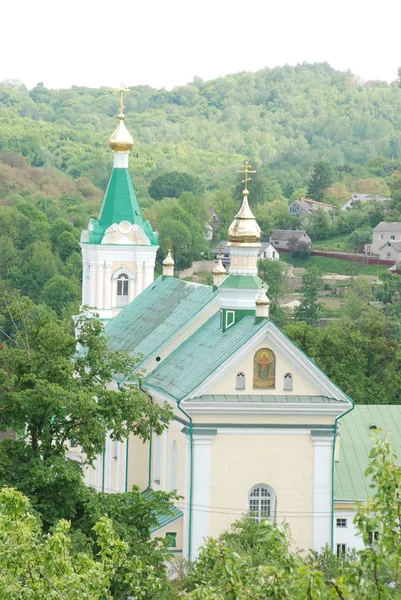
255 421
266 250
391 251
363 198
382 233
304 208
284 239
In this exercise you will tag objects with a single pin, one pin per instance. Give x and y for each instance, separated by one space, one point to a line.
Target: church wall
174 527
284 462
302 385
138 463
287 420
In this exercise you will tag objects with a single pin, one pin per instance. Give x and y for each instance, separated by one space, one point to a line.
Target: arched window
288 382
240 381
173 482
122 289
264 369
261 503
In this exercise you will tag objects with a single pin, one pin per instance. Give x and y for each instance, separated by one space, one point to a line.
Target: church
256 422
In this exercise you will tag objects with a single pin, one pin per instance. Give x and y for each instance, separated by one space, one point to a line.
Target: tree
309 309
320 226
173 184
320 180
51 393
60 293
273 272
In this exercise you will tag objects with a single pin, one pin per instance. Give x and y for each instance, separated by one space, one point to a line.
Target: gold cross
246 171
122 89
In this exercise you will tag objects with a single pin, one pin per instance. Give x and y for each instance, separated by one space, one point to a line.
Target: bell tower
119 247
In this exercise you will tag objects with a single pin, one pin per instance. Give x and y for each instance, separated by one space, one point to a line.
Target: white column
131 289
92 283
107 287
202 461
164 460
322 484
120 160
185 501
138 278
99 295
149 274
85 281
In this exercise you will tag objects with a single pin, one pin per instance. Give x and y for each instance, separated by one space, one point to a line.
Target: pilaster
202 461
322 489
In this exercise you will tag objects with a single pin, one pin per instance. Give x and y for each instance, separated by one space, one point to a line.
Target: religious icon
264 369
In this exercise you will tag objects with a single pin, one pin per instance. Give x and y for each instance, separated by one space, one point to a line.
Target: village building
286 239
304 208
383 232
265 251
391 251
256 423
366 198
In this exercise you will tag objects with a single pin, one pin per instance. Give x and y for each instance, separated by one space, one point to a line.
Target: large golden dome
244 229
121 140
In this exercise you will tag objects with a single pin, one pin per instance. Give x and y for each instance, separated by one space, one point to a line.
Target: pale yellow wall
301 383
174 433
284 462
174 527
138 462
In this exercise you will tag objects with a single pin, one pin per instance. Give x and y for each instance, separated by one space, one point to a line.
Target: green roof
157 314
356 443
200 355
241 282
268 399
120 204
163 520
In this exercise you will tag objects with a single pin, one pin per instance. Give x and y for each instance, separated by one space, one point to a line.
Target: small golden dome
168 261
262 299
244 228
121 140
219 268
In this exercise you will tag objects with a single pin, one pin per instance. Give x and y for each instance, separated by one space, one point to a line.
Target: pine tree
309 309
320 180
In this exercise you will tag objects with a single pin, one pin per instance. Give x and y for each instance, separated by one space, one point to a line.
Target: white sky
164 43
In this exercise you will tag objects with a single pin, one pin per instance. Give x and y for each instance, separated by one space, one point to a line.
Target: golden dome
219 268
244 228
262 299
121 140
168 261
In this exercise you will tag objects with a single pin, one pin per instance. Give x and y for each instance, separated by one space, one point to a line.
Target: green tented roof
120 204
355 445
201 354
241 282
268 399
163 520
157 314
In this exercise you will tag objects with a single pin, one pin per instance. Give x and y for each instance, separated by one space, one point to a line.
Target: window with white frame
341 522
373 537
287 382
341 549
392 237
122 285
240 381
261 501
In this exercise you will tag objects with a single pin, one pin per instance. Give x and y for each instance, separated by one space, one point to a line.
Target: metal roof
268 399
286 234
163 520
201 354
384 227
355 444
157 314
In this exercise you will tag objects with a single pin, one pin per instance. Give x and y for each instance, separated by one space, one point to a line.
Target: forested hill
282 119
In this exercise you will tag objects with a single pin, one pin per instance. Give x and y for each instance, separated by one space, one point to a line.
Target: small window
240 381
341 522
392 237
288 382
388 254
261 501
73 443
122 285
373 537
341 549
171 538
115 449
381 237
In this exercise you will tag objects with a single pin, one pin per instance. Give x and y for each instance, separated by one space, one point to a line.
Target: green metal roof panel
157 314
163 520
201 354
356 443
241 282
120 204
268 399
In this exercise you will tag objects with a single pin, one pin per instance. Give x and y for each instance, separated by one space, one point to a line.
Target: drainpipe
150 459
103 463
126 465
332 469
191 479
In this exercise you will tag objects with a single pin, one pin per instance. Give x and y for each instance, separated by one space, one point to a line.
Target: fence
362 258
198 266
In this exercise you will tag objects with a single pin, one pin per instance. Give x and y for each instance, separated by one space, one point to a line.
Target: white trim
202 462
263 408
263 431
322 482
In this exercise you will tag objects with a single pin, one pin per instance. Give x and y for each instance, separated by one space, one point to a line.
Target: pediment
125 233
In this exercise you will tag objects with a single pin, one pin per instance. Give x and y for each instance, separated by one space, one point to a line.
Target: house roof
385 227
225 249
356 443
395 245
157 314
307 201
368 197
200 355
163 520
286 234
268 399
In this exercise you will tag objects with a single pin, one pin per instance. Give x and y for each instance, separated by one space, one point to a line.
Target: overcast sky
164 43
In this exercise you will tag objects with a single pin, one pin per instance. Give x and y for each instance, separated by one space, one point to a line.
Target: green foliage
172 185
322 177
309 310
273 273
